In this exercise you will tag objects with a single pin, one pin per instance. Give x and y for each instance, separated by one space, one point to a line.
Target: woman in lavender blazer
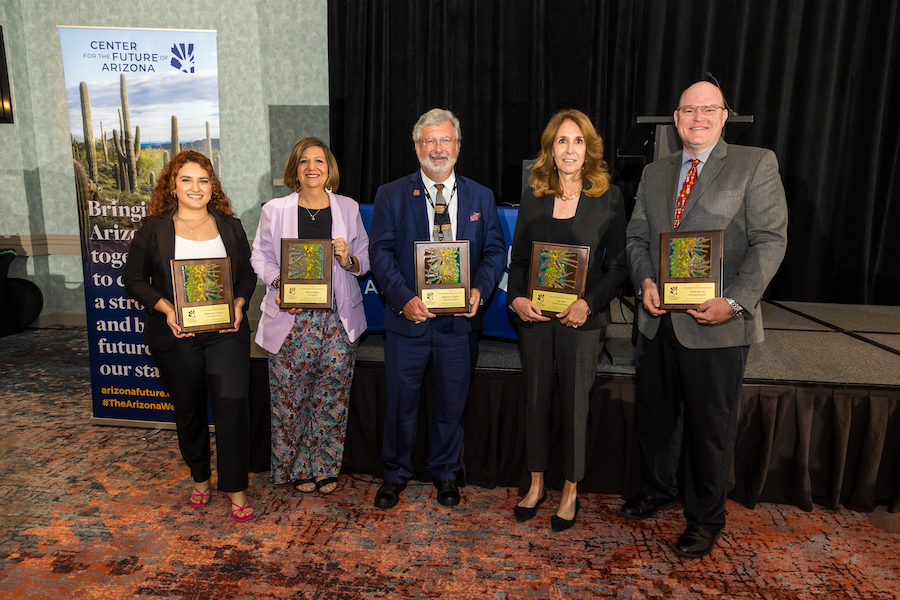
312 353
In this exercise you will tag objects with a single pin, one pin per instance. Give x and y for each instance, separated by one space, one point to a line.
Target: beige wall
260 45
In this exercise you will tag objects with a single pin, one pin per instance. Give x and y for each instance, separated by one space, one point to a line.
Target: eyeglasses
431 143
706 109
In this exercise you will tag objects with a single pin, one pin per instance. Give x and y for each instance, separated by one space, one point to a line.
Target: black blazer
148 274
599 224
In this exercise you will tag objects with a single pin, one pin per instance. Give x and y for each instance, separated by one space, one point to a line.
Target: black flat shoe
447 492
523 513
696 542
643 506
389 494
558 524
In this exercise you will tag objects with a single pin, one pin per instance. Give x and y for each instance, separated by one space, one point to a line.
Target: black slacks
550 350
687 407
214 365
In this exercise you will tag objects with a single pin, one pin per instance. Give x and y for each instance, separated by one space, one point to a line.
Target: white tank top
186 249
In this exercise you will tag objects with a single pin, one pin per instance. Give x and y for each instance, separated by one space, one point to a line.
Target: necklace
570 196
186 221
313 215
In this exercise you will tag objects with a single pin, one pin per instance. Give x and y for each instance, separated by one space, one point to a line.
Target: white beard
429 164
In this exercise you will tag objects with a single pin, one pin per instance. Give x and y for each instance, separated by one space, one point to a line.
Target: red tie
685 192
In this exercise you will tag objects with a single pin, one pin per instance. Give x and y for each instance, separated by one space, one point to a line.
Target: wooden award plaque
557 276
690 268
442 276
307 267
204 298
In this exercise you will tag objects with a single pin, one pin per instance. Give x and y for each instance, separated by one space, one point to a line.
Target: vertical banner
136 97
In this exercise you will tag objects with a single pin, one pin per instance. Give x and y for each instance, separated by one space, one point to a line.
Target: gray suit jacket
739 191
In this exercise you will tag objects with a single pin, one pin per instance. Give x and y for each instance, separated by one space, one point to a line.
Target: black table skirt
796 445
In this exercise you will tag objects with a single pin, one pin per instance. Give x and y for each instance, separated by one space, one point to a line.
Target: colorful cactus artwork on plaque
306 261
442 265
689 257
202 282
557 269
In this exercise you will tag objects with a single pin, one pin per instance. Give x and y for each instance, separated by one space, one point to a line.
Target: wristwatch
350 262
736 309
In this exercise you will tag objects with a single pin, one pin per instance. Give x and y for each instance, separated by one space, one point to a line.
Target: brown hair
162 198
544 179
290 171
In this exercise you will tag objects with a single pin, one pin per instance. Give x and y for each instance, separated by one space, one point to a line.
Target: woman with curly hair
191 218
570 201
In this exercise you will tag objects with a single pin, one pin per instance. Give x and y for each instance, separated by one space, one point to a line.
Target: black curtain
818 77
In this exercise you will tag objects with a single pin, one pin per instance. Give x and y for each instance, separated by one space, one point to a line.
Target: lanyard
450 199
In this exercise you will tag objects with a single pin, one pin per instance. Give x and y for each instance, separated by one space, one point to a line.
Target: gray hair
433 118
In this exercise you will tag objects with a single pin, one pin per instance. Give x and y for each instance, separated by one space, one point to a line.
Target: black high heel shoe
558 524
523 513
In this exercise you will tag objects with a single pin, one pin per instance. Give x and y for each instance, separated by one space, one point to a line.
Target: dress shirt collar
687 158
448 185
449 196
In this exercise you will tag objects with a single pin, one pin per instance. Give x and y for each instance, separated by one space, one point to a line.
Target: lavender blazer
279 220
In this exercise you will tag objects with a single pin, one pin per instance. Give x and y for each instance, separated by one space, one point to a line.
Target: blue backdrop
498 320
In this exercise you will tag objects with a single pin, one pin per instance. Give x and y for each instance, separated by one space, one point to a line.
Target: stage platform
805 344
820 412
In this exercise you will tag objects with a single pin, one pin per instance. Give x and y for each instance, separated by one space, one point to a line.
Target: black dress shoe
696 542
643 506
447 492
524 513
558 524
389 494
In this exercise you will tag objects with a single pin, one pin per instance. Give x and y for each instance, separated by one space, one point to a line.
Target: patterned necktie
685 192
442 229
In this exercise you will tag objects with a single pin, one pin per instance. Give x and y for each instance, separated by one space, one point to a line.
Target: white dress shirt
449 193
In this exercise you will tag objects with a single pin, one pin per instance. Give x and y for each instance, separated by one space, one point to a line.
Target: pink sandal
202 498
235 512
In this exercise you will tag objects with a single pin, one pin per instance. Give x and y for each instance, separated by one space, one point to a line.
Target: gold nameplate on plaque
690 268
444 298
552 302
204 298
442 276
307 267
312 293
557 276
203 315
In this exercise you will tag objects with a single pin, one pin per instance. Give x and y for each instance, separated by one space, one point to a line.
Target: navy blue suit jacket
400 218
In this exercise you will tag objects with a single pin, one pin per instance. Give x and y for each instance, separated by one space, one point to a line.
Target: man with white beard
432 204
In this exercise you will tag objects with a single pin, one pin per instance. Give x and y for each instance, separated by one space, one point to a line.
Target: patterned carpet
101 512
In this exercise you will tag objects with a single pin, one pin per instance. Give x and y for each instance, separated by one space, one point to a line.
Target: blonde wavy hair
544 179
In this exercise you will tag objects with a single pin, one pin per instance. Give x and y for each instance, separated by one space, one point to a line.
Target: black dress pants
688 405
550 351
214 365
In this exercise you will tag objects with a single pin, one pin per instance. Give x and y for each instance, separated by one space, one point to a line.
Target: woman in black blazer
570 201
191 217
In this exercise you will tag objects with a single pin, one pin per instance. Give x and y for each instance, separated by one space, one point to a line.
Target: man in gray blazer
690 365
